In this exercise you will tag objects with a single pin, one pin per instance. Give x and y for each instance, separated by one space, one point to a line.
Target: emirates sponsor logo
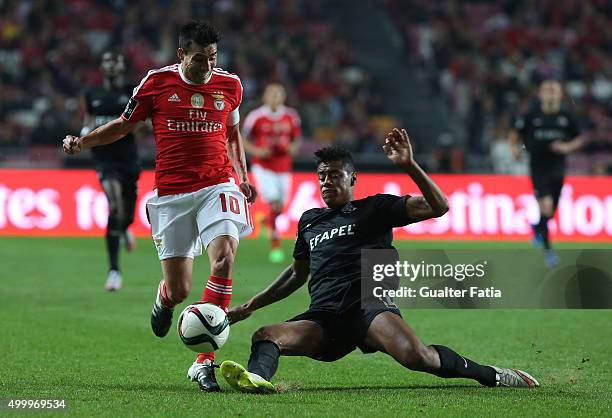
194 126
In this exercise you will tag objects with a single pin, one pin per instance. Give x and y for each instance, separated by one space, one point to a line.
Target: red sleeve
238 93
140 105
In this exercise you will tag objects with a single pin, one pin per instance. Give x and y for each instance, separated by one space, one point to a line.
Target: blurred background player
117 163
272 136
549 133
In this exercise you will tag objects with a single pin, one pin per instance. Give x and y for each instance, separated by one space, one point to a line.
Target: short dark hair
335 153
200 32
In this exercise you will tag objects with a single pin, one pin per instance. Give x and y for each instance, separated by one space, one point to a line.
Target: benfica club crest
218 100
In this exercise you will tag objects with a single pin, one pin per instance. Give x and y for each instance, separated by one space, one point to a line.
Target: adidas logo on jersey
174 98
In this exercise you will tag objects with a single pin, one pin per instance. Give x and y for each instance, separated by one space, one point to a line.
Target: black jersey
104 106
332 239
539 130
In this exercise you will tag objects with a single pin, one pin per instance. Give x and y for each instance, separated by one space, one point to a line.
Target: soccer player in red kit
273 135
195 112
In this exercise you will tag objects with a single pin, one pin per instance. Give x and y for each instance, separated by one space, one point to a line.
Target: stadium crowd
50 50
486 59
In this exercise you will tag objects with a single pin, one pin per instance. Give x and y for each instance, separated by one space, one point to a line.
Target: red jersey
276 131
189 123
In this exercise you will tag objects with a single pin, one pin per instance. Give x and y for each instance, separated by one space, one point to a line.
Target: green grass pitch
64 337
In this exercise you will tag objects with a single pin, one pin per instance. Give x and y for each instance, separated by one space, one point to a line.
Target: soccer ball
203 328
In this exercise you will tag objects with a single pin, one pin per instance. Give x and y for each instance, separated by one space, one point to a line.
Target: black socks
264 359
265 355
542 229
112 247
453 365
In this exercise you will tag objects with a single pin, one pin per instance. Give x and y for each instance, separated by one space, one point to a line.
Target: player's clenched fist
249 191
72 144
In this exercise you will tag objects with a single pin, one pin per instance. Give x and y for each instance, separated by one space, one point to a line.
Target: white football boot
113 281
514 378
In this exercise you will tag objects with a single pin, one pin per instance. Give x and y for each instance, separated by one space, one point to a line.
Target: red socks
272 226
218 291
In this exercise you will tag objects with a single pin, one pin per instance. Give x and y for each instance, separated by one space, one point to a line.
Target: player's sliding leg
113 191
390 334
299 338
276 252
172 290
218 291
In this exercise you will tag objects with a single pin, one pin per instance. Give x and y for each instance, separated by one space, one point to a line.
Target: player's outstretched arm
433 203
290 280
235 149
103 135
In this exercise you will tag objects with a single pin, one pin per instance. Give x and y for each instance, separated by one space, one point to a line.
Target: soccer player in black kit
549 133
328 250
116 164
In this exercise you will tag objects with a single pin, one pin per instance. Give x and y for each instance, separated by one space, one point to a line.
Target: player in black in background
549 134
116 164
328 249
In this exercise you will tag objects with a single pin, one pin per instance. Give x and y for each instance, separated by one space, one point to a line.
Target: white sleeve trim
234 117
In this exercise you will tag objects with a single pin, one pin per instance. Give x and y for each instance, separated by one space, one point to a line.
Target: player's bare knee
546 210
262 334
546 206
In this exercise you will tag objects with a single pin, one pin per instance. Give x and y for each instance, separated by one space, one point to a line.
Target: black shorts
126 174
345 331
547 182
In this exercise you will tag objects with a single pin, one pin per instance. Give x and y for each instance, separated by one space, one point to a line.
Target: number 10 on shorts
234 206
231 204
